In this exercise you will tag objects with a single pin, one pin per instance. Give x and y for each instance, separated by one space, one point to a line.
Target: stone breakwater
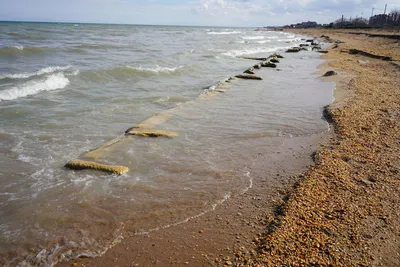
345 210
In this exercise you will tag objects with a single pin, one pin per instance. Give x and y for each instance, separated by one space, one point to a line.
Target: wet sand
233 225
344 211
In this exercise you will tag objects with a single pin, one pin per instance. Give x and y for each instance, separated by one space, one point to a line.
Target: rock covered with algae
82 164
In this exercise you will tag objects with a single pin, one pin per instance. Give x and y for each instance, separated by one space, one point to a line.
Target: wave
42 71
156 69
223 33
289 40
129 72
253 37
263 41
53 82
18 49
249 51
96 46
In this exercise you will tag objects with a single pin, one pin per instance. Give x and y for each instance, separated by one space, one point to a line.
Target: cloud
278 12
191 12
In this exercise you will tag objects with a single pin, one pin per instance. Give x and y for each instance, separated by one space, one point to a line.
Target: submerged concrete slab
82 164
248 76
151 132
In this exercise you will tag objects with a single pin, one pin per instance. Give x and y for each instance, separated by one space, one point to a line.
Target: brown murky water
49 213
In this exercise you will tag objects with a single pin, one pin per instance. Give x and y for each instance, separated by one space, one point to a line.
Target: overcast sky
254 13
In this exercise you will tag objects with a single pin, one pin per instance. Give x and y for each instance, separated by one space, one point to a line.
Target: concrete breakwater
146 128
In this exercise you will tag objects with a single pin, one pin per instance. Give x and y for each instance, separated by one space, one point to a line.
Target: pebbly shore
345 211
344 207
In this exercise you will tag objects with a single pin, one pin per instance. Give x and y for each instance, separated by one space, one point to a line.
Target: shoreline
217 234
344 211
232 225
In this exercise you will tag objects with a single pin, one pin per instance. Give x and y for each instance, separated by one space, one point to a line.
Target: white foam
25 75
19 47
157 69
223 33
263 41
253 37
24 158
53 82
249 51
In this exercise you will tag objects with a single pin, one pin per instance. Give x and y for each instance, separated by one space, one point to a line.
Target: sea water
66 89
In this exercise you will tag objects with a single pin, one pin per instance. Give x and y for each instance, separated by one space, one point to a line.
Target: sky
244 13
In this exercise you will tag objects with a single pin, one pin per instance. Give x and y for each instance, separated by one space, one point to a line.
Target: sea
67 89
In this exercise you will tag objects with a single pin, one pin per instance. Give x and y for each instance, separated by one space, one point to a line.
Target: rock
267 64
309 40
274 60
363 53
330 73
335 46
82 164
316 47
314 43
303 45
257 66
322 51
248 76
293 50
249 71
150 132
277 55
255 58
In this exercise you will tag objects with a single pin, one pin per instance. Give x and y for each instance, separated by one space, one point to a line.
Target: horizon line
126 24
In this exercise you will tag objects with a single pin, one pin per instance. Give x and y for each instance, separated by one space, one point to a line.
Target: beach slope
346 209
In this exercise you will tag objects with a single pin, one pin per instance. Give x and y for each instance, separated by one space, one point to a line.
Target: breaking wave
223 33
253 37
156 69
53 82
249 51
42 71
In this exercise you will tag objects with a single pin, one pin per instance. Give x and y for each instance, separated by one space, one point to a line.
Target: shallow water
66 89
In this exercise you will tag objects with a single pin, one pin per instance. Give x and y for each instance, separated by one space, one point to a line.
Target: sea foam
53 82
253 37
223 33
156 69
249 51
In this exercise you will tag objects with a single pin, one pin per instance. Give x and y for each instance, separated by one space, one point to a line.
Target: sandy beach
335 200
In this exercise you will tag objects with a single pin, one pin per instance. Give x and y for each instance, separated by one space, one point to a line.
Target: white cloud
279 12
192 12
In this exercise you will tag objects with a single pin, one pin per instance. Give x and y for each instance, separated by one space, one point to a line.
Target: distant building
393 19
303 25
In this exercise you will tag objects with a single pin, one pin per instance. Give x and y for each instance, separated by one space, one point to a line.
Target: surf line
146 128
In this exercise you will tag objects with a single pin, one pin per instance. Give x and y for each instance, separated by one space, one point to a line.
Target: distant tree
359 22
395 11
341 23
394 17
